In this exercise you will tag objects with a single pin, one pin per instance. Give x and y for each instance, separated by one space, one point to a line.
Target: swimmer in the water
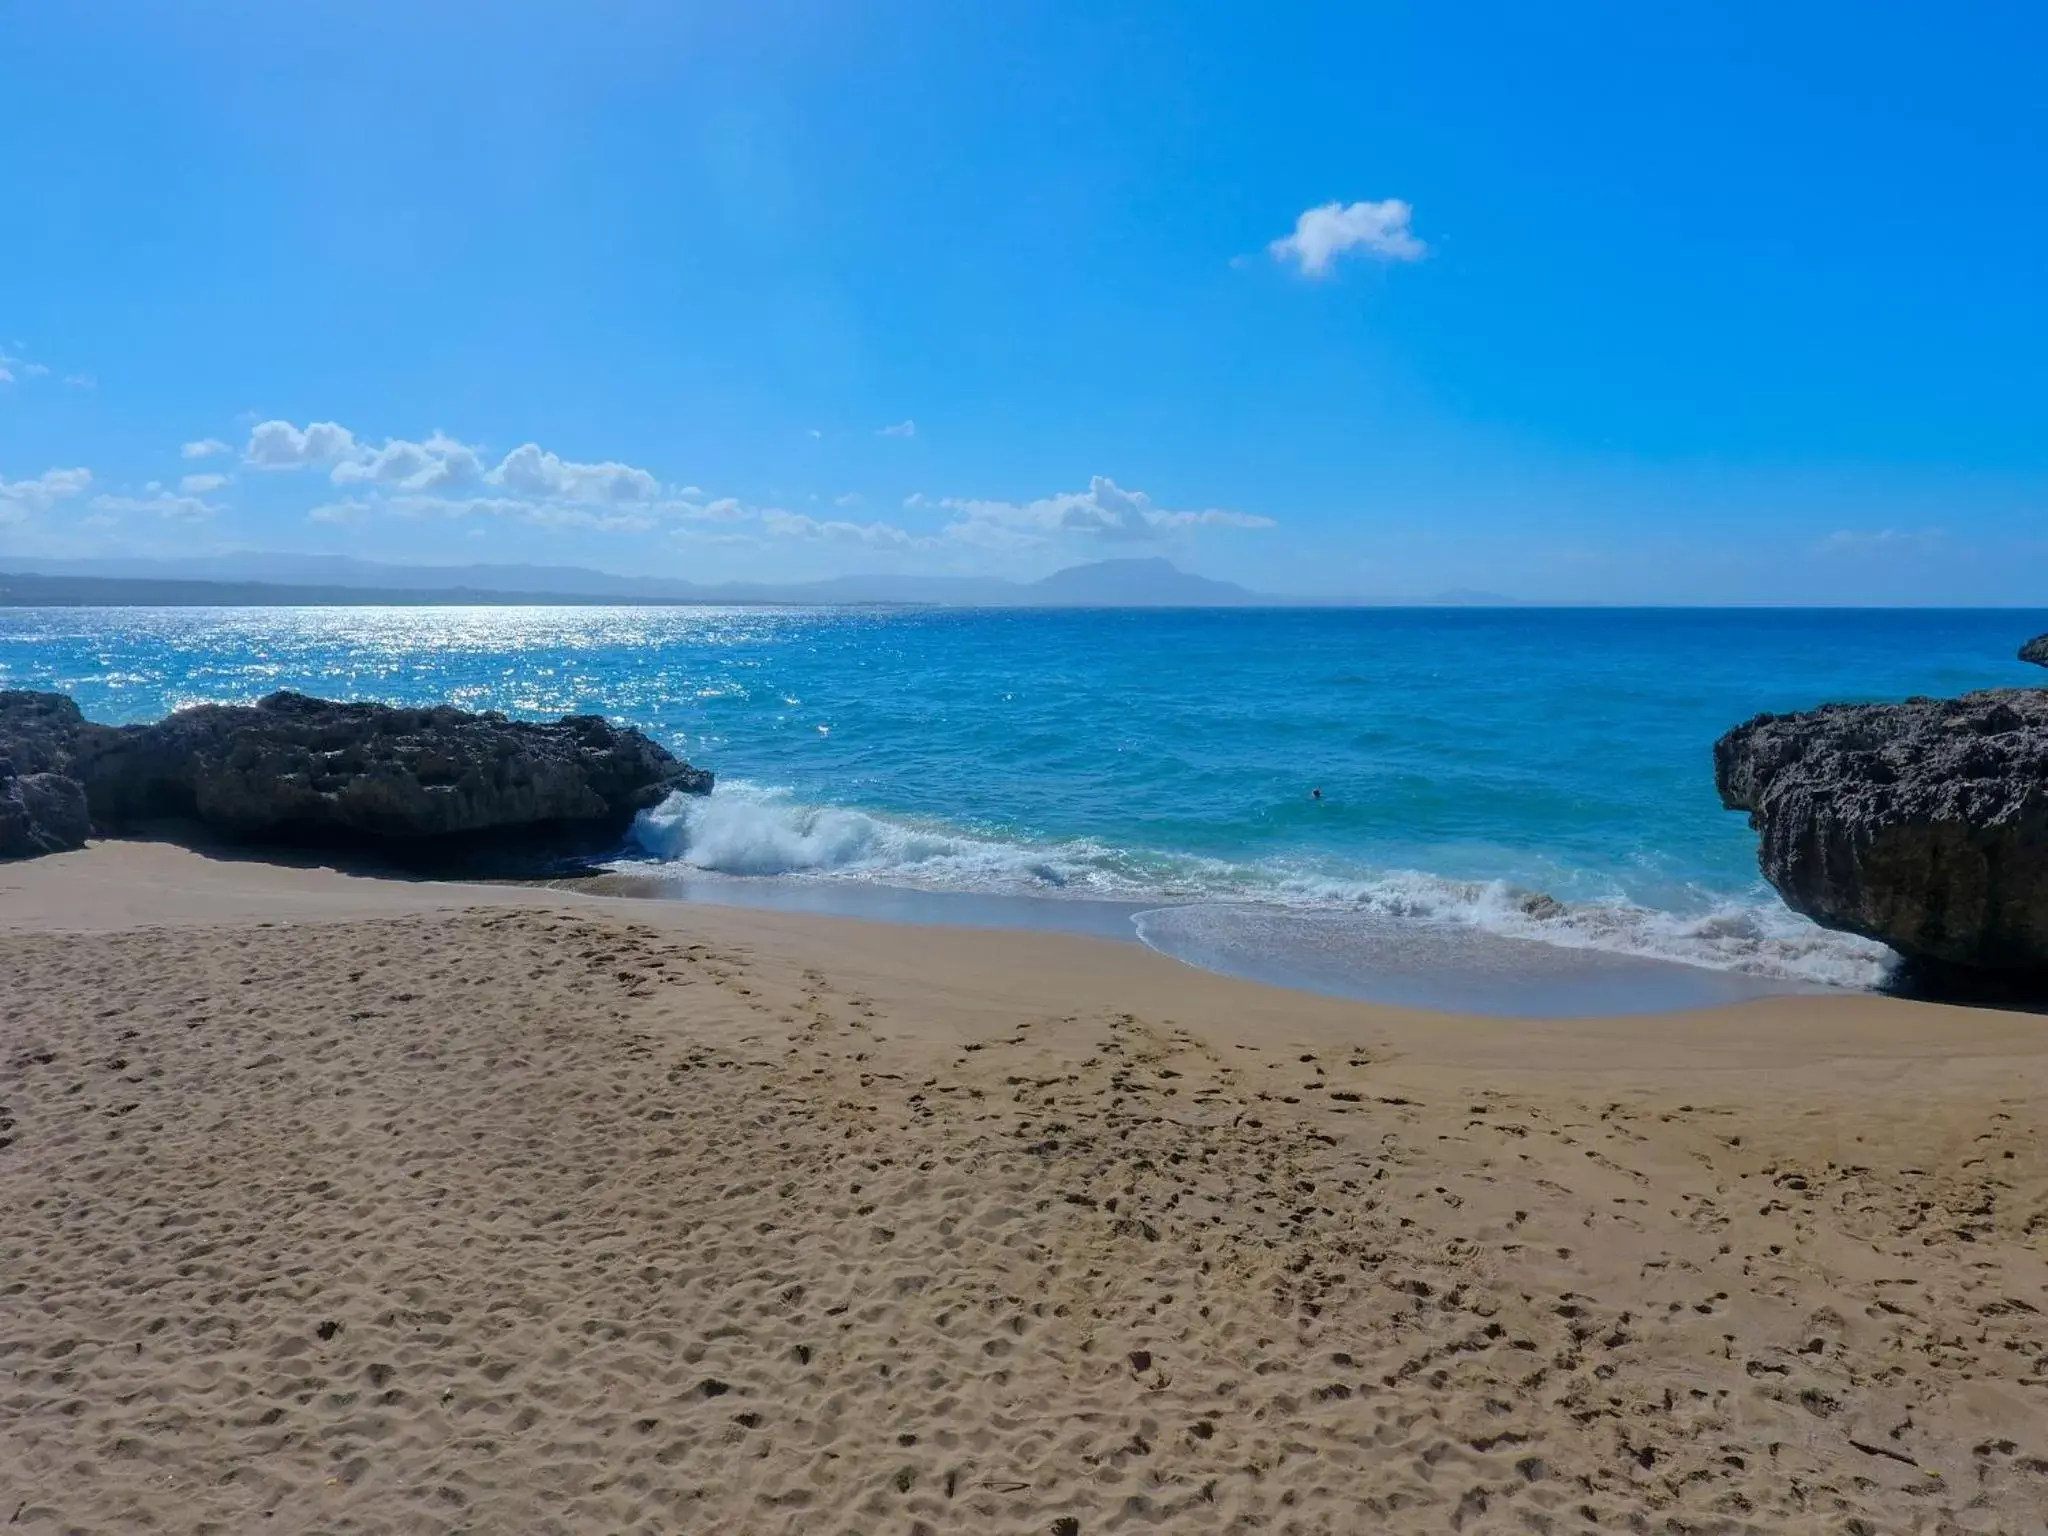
1315 794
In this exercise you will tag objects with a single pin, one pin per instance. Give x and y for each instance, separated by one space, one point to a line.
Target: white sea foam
748 830
744 829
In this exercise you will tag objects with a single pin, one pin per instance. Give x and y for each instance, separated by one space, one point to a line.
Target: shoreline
397 1205
1412 962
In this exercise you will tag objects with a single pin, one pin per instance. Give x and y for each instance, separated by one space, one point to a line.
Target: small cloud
205 448
81 380
199 485
533 471
795 525
726 509
850 499
814 432
280 445
903 428
1323 234
19 498
1104 511
440 463
13 367
177 509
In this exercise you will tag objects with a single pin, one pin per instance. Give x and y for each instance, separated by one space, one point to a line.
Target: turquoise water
1467 758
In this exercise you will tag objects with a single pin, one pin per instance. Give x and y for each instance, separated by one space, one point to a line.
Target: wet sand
354 1205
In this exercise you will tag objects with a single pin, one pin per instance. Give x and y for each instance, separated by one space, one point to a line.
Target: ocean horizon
1515 792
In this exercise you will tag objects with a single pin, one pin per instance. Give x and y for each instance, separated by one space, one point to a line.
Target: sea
1516 814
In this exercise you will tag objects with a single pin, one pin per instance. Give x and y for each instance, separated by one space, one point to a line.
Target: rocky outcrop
407 782
42 809
2036 651
39 732
1923 825
40 813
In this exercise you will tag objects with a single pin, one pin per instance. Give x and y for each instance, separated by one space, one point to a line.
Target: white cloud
533 471
1104 511
19 498
412 479
205 448
726 509
440 463
13 367
80 380
850 499
1323 234
280 445
904 428
199 485
794 525
177 509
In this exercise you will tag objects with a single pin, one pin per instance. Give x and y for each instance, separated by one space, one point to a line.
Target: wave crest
748 830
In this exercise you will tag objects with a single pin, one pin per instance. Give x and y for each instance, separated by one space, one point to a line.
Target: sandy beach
348 1205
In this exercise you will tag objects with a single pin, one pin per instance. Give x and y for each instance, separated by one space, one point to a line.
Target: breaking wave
744 829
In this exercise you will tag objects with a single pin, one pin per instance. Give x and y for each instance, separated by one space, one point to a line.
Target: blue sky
1608 302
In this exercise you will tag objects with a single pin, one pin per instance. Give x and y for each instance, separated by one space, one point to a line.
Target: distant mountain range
259 580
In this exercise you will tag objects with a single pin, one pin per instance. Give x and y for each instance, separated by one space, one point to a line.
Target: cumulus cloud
199 485
19 498
532 471
439 463
795 525
205 448
1323 234
445 477
904 428
1104 511
280 445
34 370
80 380
164 504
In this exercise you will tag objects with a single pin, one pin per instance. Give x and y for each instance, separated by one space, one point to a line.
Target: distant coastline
281 581
33 591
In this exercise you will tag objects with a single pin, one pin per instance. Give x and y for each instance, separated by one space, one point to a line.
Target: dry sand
341 1205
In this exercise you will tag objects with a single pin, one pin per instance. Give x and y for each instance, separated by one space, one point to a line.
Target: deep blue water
1467 758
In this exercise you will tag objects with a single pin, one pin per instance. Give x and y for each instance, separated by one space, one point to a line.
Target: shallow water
1467 758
